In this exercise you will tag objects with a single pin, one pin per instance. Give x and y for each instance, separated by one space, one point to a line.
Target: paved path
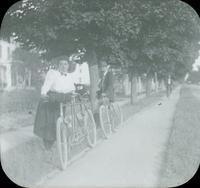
12 139
130 157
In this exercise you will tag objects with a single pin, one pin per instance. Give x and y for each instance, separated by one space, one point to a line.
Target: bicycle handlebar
75 94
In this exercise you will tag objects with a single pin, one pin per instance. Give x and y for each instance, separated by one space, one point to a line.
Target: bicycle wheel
119 113
62 144
105 121
115 116
90 128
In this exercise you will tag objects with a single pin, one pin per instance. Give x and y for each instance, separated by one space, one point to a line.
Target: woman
56 88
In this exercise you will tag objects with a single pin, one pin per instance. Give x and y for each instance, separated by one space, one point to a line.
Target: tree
82 24
142 36
168 40
194 77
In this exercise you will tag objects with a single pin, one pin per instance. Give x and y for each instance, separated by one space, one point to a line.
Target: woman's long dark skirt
47 115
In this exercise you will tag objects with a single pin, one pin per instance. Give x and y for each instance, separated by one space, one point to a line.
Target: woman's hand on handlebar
78 86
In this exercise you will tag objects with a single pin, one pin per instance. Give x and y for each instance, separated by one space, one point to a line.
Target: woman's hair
55 61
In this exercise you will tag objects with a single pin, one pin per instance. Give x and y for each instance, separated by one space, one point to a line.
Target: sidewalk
130 158
12 139
35 158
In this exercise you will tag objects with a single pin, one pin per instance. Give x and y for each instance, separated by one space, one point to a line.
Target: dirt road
130 157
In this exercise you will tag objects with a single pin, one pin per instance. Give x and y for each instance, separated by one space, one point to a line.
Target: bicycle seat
79 84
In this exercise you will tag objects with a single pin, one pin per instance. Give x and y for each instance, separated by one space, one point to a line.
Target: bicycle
74 128
110 114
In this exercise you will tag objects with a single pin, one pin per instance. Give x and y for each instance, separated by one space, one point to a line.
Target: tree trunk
17 79
133 88
148 86
156 82
94 79
139 84
126 84
29 78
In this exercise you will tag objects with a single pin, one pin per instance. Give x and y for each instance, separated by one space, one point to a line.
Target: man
106 86
57 85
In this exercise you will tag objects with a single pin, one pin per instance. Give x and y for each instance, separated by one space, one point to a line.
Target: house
13 73
6 50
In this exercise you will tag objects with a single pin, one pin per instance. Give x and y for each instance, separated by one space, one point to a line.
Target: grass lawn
181 158
17 108
128 110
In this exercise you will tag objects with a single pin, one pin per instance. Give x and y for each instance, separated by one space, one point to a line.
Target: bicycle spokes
105 120
62 143
115 116
90 128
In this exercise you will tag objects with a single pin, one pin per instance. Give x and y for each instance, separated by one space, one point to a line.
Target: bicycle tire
105 123
62 144
119 112
90 128
115 116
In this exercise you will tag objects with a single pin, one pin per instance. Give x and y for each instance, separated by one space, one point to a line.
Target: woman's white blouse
57 82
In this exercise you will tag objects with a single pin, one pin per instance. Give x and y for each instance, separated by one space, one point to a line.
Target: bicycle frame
77 129
109 108
104 100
